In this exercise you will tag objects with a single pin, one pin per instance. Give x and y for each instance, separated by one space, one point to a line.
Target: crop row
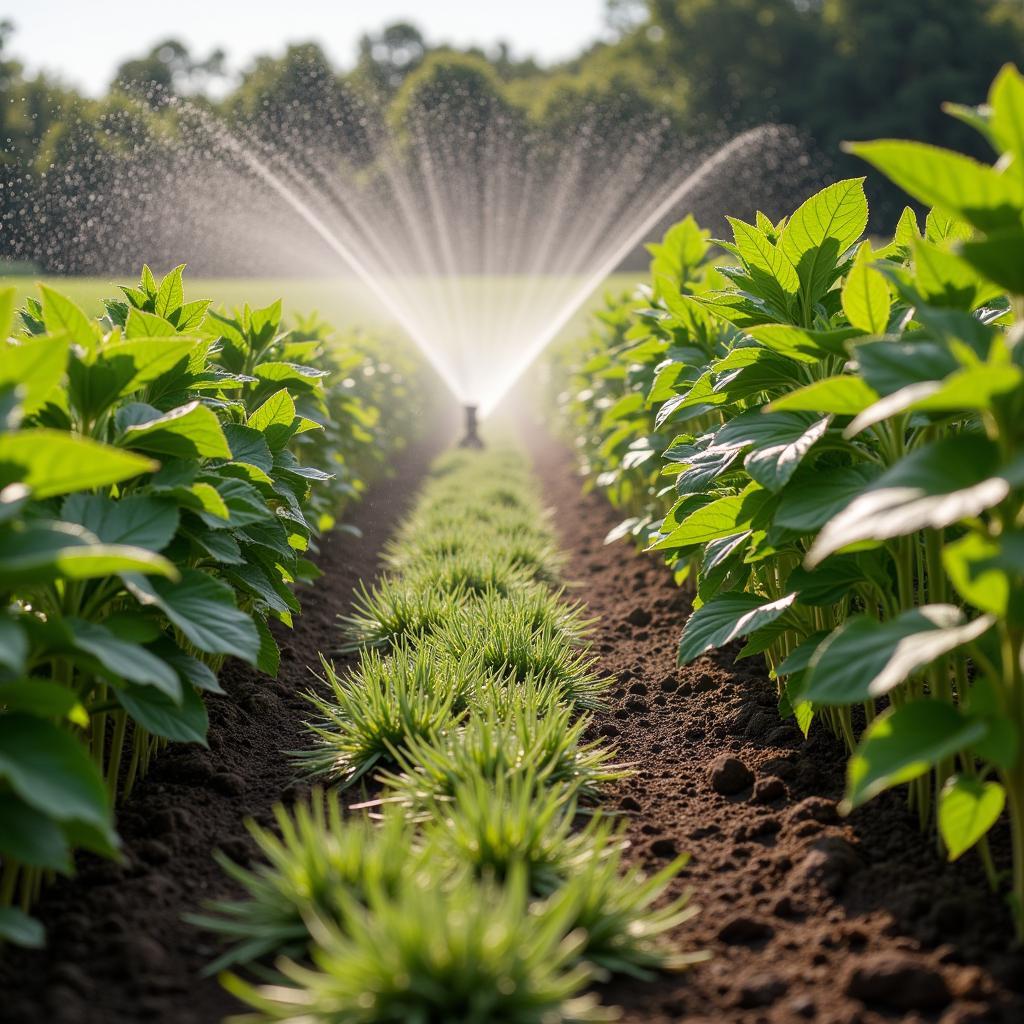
485 885
825 437
159 494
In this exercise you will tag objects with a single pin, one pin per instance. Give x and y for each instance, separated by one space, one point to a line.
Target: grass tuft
502 739
374 714
438 952
315 854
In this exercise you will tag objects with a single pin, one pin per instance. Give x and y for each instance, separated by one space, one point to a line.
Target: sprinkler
472 438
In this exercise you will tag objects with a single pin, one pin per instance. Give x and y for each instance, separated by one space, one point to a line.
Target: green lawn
345 302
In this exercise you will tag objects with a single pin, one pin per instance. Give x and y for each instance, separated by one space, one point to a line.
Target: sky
83 41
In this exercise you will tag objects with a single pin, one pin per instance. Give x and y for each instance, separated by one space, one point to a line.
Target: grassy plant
467 704
512 822
438 952
517 732
626 915
396 610
373 714
471 573
526 636
315 855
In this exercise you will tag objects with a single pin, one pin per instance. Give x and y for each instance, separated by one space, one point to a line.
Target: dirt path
809 918
119 952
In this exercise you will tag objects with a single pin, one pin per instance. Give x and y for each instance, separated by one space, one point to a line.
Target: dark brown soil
118 950
808 917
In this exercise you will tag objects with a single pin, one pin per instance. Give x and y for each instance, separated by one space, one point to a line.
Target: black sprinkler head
472 438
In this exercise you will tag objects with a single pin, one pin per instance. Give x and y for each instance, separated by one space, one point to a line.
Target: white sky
83 41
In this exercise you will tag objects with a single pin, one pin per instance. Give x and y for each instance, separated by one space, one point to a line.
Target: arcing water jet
478 236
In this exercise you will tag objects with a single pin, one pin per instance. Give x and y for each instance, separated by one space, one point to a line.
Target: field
693 691
342 302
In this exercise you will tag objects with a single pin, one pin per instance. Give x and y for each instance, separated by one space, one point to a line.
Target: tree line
834 69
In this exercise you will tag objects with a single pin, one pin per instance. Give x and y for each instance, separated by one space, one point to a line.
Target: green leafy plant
157 501
843 485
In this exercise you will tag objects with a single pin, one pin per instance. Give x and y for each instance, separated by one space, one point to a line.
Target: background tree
167 70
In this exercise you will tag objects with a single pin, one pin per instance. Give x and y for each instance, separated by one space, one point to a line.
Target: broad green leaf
1006 99
141 324
773 274
803 345
973 191
274 419
741 311
721 518
190 670
812 499
999 258
802 655
135 520
968 808
943 279
171 294
13 646
50 770
184 721
43 698
844 395
31 837
304 377
192 431
725 618
969 389
127 660
866 299
192 315
941 227
890 365
984 570
836 578
864 658
249 446
906 231
19 929
36 366
118 370
203 608
264 323
146 359
820 232
773 464
244 503
903 743
52 462
62 316
252 579
45 552
933 487
269 659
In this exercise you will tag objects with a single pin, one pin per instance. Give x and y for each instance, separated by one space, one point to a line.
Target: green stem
116 753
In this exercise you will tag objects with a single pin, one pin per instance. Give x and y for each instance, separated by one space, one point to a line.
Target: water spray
481 262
